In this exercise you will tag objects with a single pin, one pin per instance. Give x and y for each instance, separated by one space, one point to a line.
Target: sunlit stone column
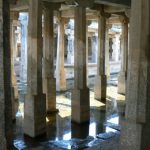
116 47
35 102
13 44
94 48
124 57
135 130
70 56
60 69
24 32
49 82
80 95
100 79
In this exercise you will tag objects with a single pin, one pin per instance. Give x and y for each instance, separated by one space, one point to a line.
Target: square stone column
35 101
13 43
107 60
49 82
124 57
23 18
5 78
60 69
2 98
135 132
80 105
101 79
116 47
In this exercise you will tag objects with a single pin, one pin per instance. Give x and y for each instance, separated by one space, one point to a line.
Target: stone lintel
51 6
84 3
116 3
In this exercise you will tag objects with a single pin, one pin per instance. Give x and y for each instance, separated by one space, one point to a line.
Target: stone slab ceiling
20 5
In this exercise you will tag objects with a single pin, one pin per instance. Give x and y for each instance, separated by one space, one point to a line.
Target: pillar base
121 83
134 136
100 87
80 105
35 115
52 111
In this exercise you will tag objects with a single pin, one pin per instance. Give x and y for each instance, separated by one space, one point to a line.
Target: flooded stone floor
101 133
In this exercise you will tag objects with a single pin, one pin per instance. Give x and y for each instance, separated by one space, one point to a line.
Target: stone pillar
60 69
24 32
116 47
80 96
100 79
35 101
49 82
13 42
70 55
2 96
87 55
124 56
107 62
135 132
5 77
94 49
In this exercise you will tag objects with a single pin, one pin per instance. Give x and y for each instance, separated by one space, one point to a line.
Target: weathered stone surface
122 83
80 95
60 70
35 102
2 100
101 80
49 82
24 46
100 87
124 58
80 105
7 73
135 130
35 115
13 42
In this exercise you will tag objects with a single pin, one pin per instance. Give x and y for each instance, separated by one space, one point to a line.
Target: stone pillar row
41 88
35 105
35 100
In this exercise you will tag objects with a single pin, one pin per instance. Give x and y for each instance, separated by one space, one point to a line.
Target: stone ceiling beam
20 5
117 3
